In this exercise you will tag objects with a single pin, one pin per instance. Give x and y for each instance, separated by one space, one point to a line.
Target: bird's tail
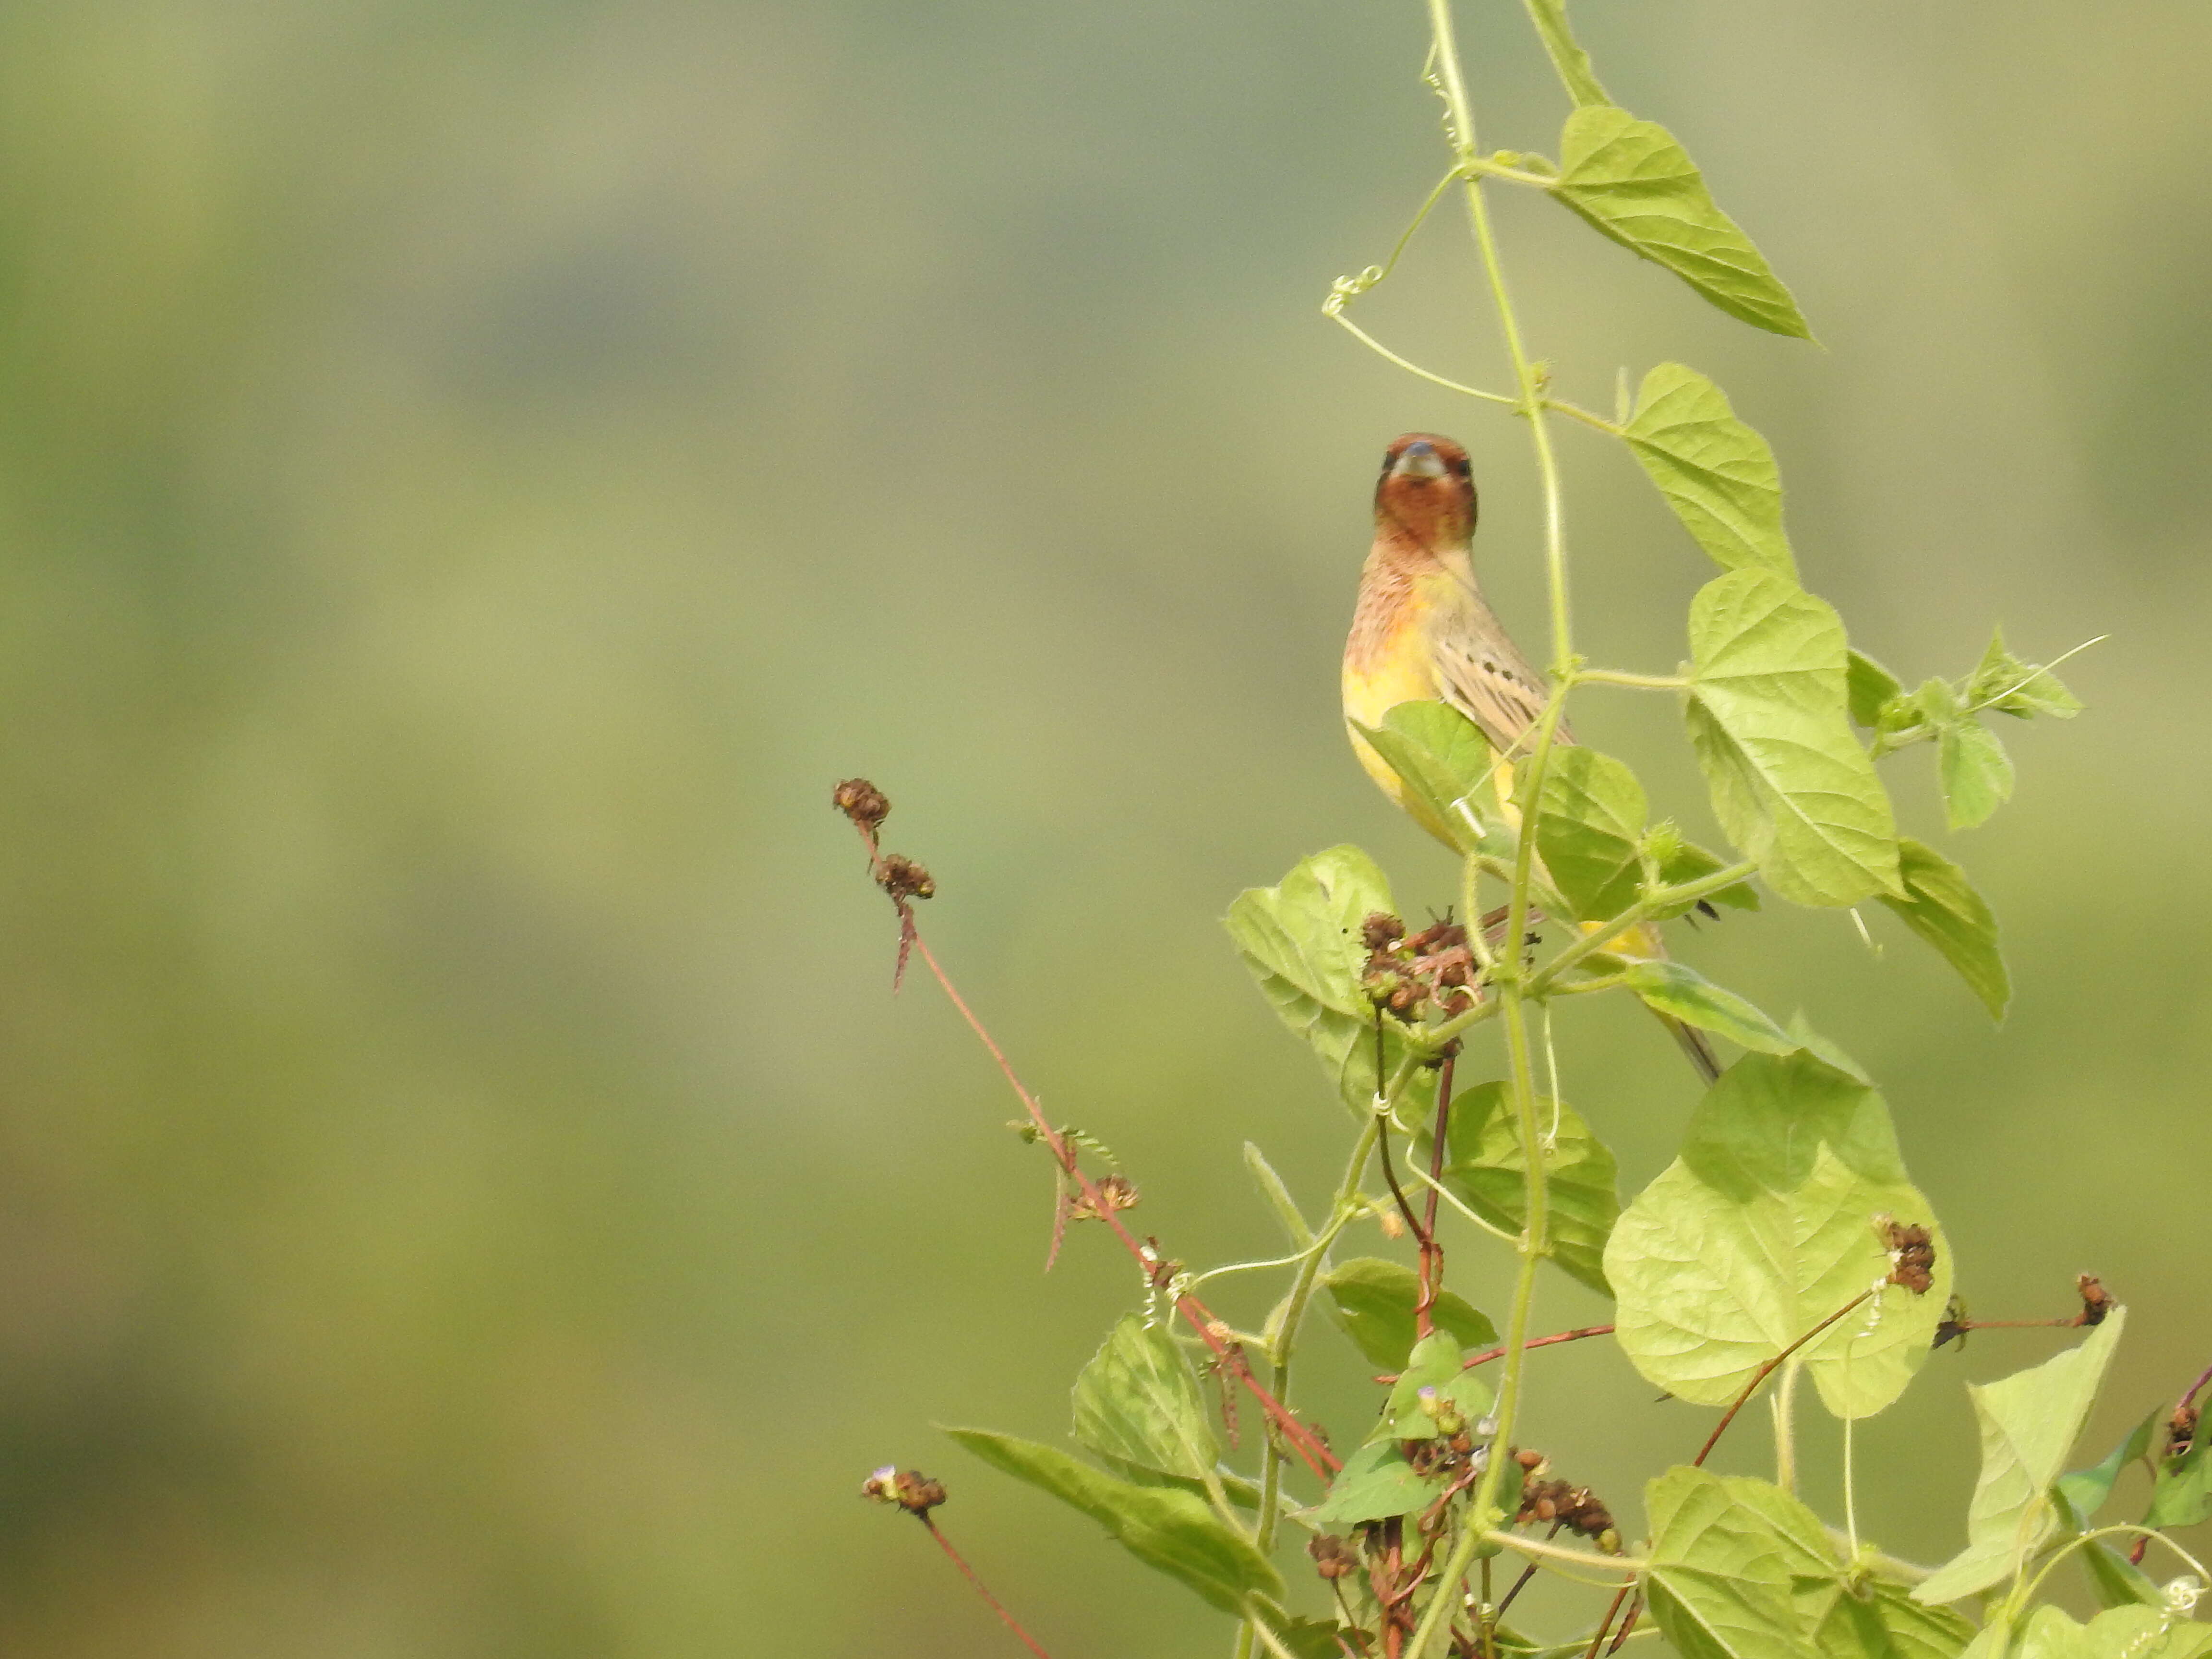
1643 945
1695 1045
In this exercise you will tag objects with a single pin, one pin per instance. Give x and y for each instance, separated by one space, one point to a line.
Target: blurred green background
472 477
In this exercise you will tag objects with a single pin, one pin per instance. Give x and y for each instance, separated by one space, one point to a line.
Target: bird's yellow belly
1398 673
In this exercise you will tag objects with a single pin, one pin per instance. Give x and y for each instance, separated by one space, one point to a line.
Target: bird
1422 631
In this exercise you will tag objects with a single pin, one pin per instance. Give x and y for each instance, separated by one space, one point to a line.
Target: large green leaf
1483 1165
1975 771
1567 56
1374 1302
2130 1632
1766 712
1590 831
1716 473
1301 939
1168 1529
1684 994
1764 1227
2029 1421
1942 907
1137 1401
1720 1580
1443 764
1632 181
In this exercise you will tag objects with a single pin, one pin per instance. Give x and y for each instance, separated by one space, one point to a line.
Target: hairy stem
1507 973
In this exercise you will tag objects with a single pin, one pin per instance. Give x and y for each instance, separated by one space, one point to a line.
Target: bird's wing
1482 674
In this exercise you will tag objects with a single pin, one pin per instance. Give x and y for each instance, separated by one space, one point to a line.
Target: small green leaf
1434 1395
1567 56
1589 832
1686 861
2181 1495
1137 1400
1975 770
2022 690
1935 701
1633 183
1720 1580
2086 1490
1301 940
1790 782
1716 473
1374 1302
1443 764
1871 686
2029 1422
1278 1196
1942 908
1375 1483
2115 1581
1763 1228
1685 994
1484 1166
1169 1531
1311 1638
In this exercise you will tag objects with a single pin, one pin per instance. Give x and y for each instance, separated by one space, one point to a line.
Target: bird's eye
1459 468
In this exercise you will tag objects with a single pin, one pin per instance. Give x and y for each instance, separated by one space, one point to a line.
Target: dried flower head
912 1491
1911 1254
903 879
2096 1300
1333 1556
1115 1192
862 802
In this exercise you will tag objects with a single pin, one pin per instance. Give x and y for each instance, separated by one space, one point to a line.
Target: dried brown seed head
1911 1254
1333 1556
2181 1429
1381 931
903 879
912 1491
1115 1192
2096 1300
862 802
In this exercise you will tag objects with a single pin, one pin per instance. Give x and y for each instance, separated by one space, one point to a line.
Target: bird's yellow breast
1387 662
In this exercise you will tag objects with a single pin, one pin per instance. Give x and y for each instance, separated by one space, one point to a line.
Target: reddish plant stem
1627 1624
2204 1377
1765 1371
1432 1254
1557 1337
2072 1323
1488 1354
983 1589
1230 1355
1606 1623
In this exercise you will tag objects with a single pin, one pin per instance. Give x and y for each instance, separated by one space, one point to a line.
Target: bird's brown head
1425 495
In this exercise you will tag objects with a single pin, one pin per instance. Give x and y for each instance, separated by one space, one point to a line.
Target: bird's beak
1419 461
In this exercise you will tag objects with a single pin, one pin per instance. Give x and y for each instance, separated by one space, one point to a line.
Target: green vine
1786 1241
